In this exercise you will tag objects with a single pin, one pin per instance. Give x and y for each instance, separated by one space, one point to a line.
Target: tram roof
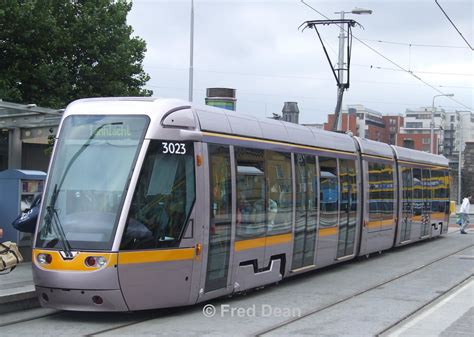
240 124
410 155
374 148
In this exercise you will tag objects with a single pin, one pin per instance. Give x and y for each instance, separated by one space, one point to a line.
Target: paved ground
17 290
451 315
374 294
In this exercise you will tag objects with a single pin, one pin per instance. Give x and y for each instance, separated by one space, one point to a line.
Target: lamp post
460 152
340 63
433 120
191 53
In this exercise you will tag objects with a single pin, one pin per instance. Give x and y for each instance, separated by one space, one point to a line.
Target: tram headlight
44 258
95 261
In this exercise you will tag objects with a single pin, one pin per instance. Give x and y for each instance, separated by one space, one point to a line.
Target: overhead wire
391 61
449 19
417 71
415 44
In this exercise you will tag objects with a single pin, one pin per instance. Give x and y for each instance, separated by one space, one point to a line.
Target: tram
153 203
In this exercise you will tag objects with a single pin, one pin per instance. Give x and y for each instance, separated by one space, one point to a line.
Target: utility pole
341 86
340 71
191 52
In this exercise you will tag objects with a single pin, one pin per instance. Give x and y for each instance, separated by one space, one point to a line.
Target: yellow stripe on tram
328 231
262 242
164 255
381 223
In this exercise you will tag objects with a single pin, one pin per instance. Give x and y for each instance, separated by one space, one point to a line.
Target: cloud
256 47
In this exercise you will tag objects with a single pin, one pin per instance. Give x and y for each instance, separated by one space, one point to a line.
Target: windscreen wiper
52 220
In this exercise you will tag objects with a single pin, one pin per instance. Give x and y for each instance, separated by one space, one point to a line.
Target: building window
426 141
414 125
409 143
452 117
393 121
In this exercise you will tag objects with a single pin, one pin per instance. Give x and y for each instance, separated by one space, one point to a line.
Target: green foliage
56 51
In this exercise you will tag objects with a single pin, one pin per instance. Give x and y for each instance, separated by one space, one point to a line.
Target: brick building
368 123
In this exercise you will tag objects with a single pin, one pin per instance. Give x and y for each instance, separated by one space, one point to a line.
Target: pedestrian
465 213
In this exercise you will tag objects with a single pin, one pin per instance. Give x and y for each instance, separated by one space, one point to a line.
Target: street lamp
340 63
191 54
460 152
433 120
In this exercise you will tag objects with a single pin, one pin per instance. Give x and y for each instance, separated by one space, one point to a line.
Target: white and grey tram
153 203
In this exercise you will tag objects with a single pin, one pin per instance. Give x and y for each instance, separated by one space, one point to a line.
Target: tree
55 51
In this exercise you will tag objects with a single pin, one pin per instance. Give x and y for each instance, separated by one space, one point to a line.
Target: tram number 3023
173 148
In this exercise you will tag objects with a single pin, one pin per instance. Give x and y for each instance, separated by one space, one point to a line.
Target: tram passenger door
407 204
417 204
328 211
220 224
426 211
348 209
306 211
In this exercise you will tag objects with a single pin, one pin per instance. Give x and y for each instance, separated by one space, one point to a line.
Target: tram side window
438 186
250 193
163 198
329 192
375 191
279 199
427 188
407 186
388 192
220 179
417 192
348 185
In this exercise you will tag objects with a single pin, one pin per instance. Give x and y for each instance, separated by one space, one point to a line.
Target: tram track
29 319
423 307
306 314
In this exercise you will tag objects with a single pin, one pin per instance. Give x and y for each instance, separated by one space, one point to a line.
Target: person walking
466 202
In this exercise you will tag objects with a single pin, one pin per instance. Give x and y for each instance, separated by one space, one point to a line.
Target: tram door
220 217
417 203
426 211
306 211
407 204
348 208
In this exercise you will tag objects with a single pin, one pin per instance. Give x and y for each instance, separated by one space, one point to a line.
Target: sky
256 48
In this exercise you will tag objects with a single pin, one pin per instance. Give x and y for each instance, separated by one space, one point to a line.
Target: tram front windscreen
87 182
